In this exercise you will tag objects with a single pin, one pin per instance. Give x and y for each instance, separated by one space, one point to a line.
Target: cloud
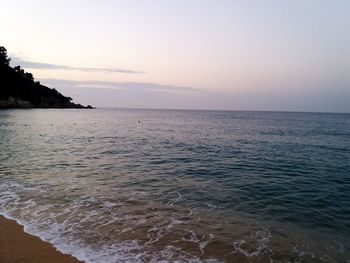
38 65
127 94
145 86
154 95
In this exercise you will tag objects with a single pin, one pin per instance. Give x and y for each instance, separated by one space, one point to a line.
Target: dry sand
18 246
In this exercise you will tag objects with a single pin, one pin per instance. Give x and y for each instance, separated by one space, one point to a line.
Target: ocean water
114 185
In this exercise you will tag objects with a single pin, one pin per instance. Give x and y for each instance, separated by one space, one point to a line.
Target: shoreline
19 246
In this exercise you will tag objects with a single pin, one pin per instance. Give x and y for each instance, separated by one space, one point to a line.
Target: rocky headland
18 89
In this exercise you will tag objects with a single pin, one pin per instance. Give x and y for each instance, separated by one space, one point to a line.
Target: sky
186 54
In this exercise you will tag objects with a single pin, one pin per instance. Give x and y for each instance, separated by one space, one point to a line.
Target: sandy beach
18 246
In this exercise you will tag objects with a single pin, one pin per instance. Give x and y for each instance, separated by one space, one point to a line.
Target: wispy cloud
127 94
145 86
154 95
38 65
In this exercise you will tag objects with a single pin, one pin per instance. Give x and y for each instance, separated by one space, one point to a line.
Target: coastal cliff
19 90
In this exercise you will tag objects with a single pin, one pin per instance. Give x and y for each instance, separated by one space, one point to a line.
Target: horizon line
183 109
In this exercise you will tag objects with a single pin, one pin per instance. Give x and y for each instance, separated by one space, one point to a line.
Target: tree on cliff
21 71
3 56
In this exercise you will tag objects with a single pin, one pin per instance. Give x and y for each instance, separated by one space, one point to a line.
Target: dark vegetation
18 89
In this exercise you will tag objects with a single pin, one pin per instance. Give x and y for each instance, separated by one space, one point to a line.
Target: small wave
255 245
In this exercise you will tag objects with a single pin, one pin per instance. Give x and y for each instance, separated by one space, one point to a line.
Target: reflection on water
194 186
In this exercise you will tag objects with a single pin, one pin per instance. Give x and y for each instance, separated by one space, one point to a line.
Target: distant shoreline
18 246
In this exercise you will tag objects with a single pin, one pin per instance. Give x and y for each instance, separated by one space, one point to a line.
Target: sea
132 185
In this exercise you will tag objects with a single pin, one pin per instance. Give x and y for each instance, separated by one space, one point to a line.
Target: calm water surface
111 185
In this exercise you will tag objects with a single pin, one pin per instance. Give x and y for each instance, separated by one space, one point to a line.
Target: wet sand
18 246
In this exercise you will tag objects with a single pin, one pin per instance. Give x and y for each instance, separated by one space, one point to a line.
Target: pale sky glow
249 55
